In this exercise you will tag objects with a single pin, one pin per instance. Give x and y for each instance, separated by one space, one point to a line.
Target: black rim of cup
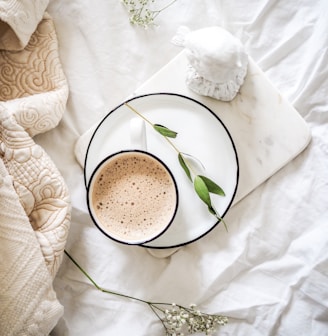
94 173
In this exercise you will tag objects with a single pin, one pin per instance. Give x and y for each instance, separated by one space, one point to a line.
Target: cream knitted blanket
34 200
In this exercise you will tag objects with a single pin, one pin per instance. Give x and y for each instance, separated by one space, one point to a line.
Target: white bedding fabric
269 274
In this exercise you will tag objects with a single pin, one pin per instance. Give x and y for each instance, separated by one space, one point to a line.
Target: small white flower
141 13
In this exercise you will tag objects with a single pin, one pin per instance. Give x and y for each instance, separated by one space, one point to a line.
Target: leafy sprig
203 185
176 319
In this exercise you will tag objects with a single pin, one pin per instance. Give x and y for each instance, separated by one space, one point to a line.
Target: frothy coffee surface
133 197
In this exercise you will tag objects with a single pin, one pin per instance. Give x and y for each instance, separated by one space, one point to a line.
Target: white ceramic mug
132 195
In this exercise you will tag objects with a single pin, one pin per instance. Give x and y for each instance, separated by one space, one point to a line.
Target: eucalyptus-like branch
203 185
173 317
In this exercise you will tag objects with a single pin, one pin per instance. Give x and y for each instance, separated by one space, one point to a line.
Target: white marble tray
267 131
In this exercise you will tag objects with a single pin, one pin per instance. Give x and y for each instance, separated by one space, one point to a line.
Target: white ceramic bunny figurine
217 61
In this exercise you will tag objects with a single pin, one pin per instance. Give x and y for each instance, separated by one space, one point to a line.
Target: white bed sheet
269 274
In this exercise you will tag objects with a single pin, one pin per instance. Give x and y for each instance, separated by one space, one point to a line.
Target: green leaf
218 217
212 186
165 131
184 166
202 191
212 211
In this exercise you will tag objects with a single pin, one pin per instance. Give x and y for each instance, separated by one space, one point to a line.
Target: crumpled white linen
269 273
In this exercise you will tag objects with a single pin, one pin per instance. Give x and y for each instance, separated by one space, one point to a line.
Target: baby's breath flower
142 12
177 320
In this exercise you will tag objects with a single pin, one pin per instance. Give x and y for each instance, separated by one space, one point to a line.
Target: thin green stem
113 292
139 114
154 306
152 125
101 288
172 144
211 209
82 270
157 12
142 13
222 220
166 138
168 5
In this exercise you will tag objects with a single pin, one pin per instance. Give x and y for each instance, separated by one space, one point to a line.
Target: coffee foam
134 197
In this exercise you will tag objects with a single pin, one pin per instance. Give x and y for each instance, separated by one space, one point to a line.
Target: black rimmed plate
200 133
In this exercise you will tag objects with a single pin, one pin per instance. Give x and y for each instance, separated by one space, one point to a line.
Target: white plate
200 133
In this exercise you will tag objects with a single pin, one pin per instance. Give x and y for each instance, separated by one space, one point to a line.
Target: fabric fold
34 199
28 302
33 99
18 21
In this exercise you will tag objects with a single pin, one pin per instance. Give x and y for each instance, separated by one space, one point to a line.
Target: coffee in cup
132 197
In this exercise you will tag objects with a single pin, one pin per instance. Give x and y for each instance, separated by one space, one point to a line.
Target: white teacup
132 197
